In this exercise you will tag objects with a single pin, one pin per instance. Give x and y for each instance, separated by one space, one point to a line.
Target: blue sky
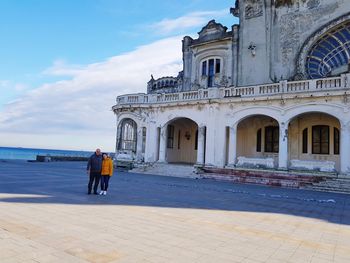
54 53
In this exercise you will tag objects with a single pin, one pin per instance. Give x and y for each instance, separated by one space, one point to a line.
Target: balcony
281 88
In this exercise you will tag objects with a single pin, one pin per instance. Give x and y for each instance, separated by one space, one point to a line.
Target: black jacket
95 163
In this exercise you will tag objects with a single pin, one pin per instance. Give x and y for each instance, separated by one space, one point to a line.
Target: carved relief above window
253 8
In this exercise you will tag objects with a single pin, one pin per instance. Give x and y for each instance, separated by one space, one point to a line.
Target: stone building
271 92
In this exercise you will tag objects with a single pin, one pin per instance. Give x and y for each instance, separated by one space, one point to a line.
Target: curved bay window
210 67
128 135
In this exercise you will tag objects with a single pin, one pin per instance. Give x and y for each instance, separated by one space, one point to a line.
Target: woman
106 173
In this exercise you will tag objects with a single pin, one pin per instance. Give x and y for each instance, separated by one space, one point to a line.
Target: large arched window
128 135
330 54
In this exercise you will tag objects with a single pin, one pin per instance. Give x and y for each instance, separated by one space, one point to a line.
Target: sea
17 153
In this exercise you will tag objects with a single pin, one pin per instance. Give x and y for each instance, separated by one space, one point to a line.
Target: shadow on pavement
66 183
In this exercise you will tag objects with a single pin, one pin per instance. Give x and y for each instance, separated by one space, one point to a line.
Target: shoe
104 192
95 193
101 193
89 193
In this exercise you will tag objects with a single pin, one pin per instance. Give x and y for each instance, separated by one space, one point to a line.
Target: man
94 167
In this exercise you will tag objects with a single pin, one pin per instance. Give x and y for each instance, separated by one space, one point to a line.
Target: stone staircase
288 179
340 184
166 169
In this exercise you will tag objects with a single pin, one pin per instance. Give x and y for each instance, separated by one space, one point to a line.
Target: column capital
283 124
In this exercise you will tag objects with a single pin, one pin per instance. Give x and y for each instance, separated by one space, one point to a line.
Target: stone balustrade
283 87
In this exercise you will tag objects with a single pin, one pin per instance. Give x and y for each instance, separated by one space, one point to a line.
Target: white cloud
76 113
61 68
195 19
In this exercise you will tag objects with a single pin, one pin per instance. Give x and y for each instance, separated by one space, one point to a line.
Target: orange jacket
107 167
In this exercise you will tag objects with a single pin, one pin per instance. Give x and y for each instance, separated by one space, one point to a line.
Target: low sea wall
46 158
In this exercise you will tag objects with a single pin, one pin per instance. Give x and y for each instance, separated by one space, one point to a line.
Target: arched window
330 54
209 68
128 135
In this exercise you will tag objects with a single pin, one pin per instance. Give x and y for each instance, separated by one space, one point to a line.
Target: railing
283 87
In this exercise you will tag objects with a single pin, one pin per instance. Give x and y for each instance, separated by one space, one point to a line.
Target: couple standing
99 167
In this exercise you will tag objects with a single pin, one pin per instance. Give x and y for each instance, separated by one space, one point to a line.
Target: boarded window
271 139
320 139
170 140
336 137
258 141
305 140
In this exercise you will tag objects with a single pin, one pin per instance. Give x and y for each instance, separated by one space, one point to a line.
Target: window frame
128 135
319 129
272 143
170 136
336 141
209 69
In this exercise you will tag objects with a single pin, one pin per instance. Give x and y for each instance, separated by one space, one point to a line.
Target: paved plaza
46 216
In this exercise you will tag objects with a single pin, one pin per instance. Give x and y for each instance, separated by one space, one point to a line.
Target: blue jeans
104 182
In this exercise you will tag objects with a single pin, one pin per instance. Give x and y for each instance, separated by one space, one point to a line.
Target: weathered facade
271 92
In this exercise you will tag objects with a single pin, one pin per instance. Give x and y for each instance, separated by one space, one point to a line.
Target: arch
127 137
273 113
178 118
181 141
129 115
327 109
325 50
312 138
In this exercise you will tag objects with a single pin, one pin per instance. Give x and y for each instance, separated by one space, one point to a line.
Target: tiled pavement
46 216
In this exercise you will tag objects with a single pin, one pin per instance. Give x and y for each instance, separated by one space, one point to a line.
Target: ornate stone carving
212 30
279 3
313 4
294 24
235 10
253 8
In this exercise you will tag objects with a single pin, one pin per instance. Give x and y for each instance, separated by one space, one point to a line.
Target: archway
181 141
258 142
314 142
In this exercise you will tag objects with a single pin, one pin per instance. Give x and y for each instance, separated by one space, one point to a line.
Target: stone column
151 143
139 144
162 144
283 146
232 150
200 149
345 148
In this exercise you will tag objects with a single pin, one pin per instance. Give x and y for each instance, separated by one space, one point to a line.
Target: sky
64 62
